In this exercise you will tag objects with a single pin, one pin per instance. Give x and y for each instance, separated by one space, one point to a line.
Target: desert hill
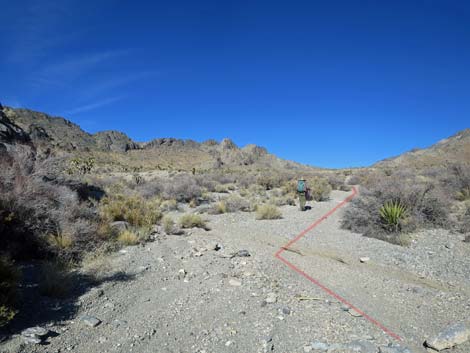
453 149
117 151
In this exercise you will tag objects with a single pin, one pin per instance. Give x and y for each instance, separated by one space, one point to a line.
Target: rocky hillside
60 134
453 149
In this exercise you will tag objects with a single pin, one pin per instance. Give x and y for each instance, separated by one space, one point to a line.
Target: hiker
303 192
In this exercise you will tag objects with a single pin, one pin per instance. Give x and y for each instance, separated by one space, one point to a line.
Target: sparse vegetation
268 212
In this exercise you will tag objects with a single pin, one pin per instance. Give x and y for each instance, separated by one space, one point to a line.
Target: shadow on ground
38 310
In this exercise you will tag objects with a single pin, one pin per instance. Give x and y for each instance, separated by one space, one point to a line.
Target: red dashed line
316 282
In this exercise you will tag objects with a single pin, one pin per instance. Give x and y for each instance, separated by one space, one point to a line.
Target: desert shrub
320 189
457 181
353 180
336 181
269 182
8 283
422 203
235 203
128 237
168 224
192 221
463 194
80 165
33 205
133 209
284 200
181 187
220 188
169 205
55 280
267 211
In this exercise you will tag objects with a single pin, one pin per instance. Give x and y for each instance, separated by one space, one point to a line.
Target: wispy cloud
92 106
65 71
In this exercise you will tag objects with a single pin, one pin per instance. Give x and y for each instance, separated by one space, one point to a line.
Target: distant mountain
453 149
60 134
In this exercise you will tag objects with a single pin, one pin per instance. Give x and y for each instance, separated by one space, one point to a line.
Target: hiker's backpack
301 186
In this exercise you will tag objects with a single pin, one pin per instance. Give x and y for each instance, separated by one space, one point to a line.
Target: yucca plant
392 214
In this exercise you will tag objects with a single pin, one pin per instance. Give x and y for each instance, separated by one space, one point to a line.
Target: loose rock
450 337
234 282
90 320
271 298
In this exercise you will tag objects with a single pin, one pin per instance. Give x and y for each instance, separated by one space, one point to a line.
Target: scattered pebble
364 259
271 298
90 320
234 282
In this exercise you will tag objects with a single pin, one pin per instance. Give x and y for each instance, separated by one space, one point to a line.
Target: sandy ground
179 294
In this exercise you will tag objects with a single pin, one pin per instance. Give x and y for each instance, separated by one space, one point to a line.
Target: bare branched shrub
181 187
33 206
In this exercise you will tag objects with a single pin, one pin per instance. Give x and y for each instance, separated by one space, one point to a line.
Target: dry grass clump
168 224
192 221
267 211
55 280
133 209
396 205
8 283
128 238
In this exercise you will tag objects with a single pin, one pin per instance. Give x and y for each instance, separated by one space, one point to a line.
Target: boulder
450 337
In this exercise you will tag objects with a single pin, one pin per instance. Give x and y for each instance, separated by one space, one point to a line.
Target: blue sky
327 83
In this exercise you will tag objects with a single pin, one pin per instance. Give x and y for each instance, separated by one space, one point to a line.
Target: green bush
268 212
8 282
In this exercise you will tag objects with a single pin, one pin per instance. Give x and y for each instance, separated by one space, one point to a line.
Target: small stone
32 339
307 349
90 320
182 274
449 246
286 311
361 346
320 346
271 298
234 282
228 343
35 331
450 337
364 259
394 348
242 253
102 340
